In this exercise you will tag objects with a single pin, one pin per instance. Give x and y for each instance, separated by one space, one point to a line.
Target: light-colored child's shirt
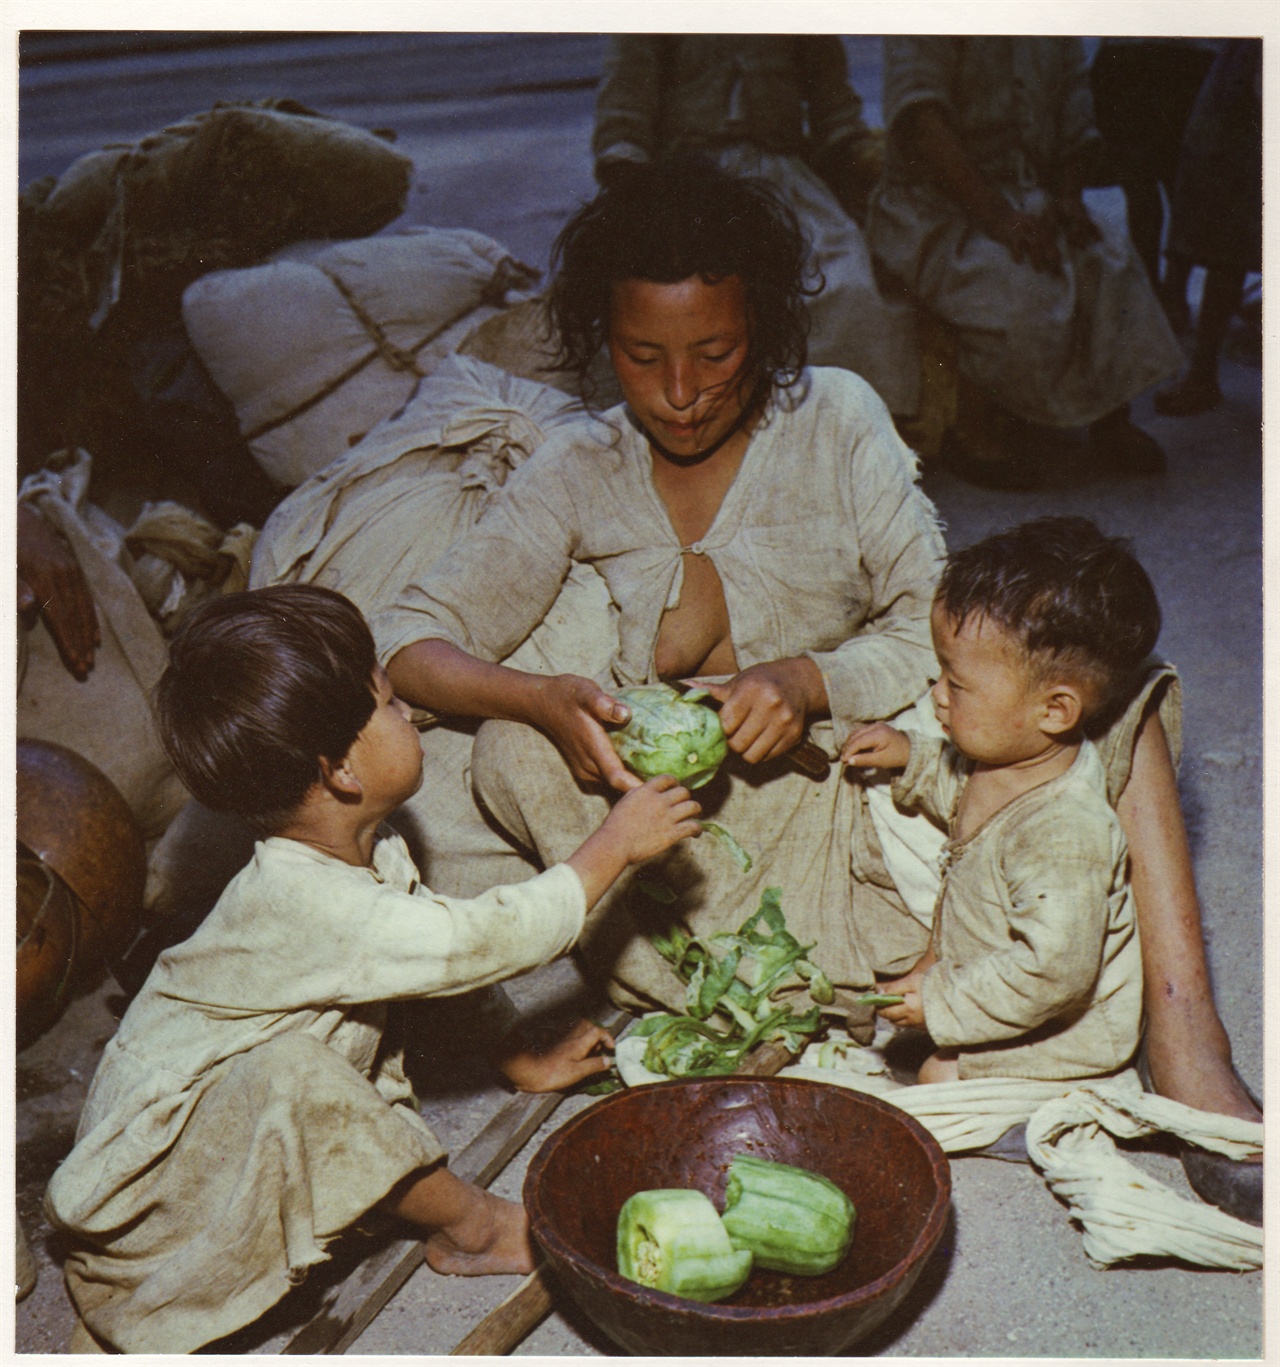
1039 971
299 944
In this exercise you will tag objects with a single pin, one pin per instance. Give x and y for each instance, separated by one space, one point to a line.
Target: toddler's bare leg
471 1232
943 1065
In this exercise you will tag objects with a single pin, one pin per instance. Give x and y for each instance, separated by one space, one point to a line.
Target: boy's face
386 756
989 706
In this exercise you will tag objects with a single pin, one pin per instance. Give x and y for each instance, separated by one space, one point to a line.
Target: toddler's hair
259 686
1078 603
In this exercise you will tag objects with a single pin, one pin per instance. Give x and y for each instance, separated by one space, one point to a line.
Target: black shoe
1013 473
1228 1183
1187 398
1231 1184
1011 1147
1123 451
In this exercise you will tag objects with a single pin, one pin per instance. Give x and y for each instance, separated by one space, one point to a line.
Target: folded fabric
1123 1212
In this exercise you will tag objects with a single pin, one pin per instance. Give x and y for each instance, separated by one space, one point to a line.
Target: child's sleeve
381 944
1059 874
931 778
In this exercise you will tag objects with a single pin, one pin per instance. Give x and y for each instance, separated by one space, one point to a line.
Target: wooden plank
349 1311
507 1325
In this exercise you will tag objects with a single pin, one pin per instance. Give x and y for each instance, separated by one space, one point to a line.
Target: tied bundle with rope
325 341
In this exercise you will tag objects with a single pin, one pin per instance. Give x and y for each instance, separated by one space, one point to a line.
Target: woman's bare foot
494 1238
1191 1063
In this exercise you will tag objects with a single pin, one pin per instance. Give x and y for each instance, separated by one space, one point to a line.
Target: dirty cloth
769 107
144 579
380 517
824 545
245 1112
1061 350
1039 974
1123 1212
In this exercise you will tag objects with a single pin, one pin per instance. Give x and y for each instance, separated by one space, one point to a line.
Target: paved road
498 125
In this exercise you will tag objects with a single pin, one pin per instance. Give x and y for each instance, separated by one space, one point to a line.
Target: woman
757 523
980 216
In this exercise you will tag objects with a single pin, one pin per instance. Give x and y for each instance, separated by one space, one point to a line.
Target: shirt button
697 548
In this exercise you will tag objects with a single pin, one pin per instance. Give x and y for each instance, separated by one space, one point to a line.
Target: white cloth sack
107 717
326 340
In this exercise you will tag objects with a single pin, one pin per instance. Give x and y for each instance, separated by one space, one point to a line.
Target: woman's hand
572 710
51 582
765 709
1072 218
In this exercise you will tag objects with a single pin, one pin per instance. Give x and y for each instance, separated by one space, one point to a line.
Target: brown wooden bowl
685 1134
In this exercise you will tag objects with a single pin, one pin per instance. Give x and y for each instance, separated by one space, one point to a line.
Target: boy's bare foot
491 1236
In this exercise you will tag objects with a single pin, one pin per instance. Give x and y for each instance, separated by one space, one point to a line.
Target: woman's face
680 352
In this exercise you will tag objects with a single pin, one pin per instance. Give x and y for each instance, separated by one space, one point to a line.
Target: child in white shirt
247 1111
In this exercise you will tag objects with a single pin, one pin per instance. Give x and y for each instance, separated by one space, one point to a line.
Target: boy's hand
879 746
575 1056
652 818
646 821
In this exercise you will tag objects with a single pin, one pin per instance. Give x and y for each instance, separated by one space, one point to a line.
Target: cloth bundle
327 340
107 248
1123 1212
149 575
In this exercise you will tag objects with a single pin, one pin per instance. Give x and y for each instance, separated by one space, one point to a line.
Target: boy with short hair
1033 968
247 1111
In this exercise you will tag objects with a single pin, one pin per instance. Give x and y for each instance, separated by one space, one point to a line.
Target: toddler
248 1111
1033 967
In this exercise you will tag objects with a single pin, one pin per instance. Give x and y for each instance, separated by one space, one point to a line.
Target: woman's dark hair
259 686
1074 599
668 221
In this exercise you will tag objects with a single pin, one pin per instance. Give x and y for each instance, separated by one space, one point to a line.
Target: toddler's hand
652 818
910 1011
878 746
575 1056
